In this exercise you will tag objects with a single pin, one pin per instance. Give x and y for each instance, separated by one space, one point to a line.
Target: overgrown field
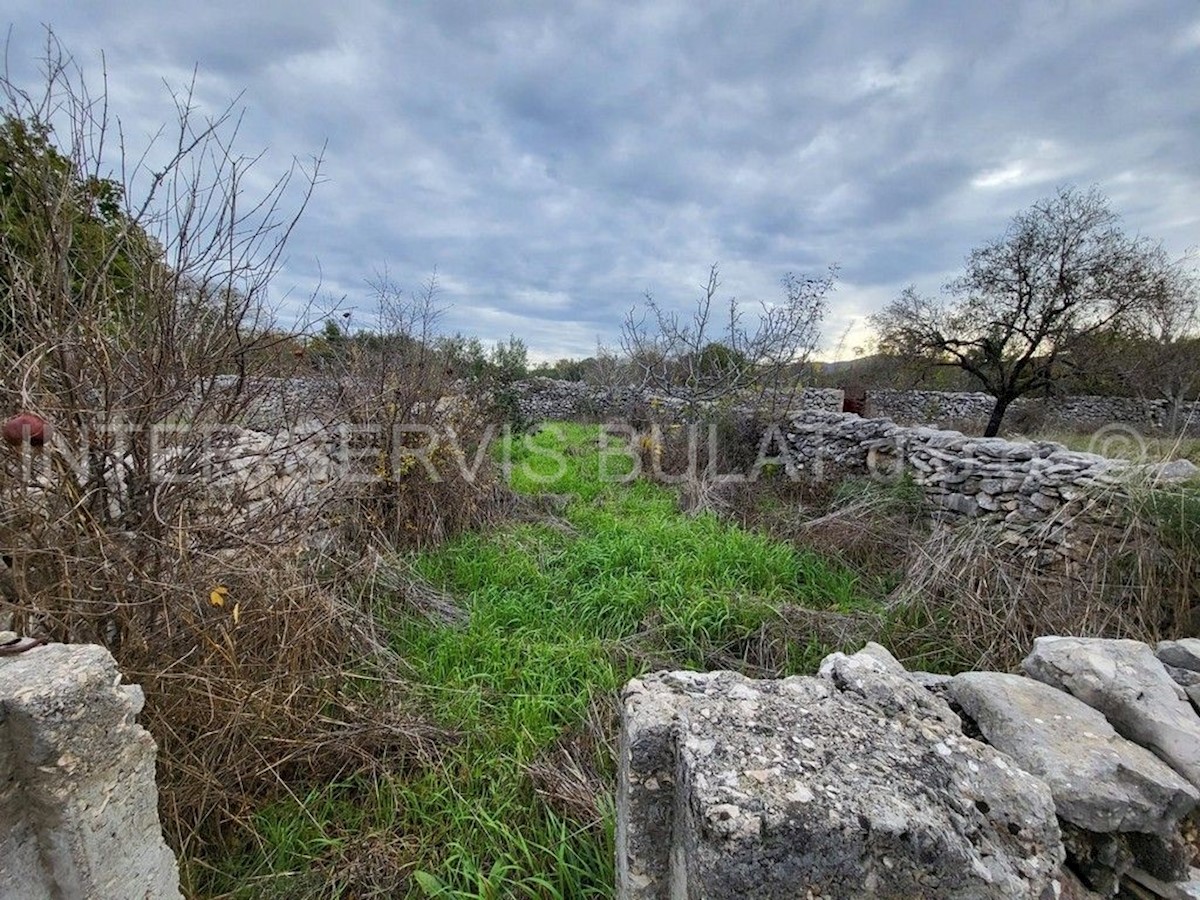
511 644
609 580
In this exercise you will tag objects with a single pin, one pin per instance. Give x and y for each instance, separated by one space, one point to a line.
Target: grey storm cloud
554 161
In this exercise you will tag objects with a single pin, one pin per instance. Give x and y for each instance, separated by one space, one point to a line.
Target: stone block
859 784
77 790
1100 781
1126 682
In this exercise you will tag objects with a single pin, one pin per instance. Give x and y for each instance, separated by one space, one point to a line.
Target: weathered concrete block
859 784
78 801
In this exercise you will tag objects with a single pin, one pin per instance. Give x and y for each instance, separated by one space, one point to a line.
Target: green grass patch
559 619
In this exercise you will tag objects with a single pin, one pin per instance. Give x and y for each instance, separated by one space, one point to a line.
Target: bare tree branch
1062 271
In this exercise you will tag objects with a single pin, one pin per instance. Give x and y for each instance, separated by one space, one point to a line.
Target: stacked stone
828 399
281 401
935 407
547 399
277 403
1079 412
1088 412
542 399
278 479
1079 781
829 444
1026 487
1023 484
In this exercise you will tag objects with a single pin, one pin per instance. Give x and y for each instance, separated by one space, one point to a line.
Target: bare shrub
420 433
123 315
982 600
725 354
134 302
280 685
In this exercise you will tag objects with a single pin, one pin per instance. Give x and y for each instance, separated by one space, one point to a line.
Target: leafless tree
1062 271
723 351
1155 352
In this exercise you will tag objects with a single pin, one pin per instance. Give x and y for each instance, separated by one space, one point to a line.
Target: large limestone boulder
1127 683
1100 781
856 784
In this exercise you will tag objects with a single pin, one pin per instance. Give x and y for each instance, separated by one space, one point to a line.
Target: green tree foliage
1062 272
717 360
564 369
509 360
65 236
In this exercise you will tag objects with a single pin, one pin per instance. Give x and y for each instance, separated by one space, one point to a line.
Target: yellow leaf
218 594
237 612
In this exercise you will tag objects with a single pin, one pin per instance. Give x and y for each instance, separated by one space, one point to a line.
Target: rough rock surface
78 801
1100 781
1125 681
873 657
857 784
1174 470
1182 654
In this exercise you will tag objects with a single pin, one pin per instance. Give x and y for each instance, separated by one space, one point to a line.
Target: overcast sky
555 161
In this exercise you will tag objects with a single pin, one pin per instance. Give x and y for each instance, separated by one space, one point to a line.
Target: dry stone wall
1082 412
546 398
539 399
1039 487
281 401
871 781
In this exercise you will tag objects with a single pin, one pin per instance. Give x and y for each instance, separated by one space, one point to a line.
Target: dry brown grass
294 690
574 775
983 598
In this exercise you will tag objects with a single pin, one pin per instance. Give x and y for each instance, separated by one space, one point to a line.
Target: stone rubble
860 781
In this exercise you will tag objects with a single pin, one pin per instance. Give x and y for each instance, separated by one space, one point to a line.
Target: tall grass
559 613
513 641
